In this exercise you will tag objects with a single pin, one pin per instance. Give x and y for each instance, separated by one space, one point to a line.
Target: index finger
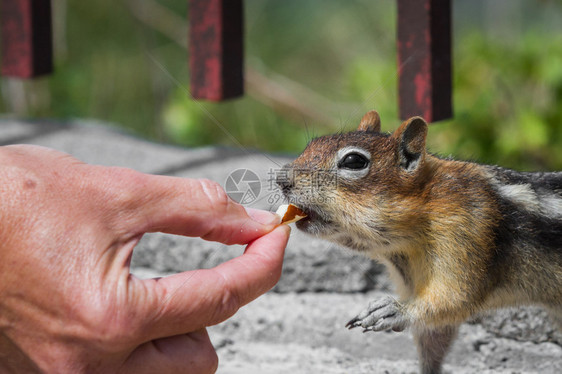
190 207
194 299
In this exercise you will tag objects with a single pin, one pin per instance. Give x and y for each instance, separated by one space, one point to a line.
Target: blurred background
312 67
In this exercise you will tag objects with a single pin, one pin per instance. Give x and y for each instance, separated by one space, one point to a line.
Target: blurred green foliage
508 103
115 65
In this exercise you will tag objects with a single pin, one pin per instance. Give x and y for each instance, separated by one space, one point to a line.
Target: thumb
192 300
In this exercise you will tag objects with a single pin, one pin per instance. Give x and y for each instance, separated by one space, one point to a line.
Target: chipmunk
457 237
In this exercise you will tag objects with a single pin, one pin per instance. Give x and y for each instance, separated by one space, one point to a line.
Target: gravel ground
304 333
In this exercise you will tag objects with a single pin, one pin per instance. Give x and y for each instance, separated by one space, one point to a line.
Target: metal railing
217 55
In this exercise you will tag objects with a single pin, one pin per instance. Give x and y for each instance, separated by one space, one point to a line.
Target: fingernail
263 216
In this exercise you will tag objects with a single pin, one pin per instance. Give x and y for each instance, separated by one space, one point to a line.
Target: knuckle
122 185
107 326
214 193
228 304
112 332
120 191
217 204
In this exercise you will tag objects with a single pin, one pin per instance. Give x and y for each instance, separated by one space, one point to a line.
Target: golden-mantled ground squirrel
457 237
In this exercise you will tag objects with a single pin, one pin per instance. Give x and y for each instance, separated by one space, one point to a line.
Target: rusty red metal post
216 49
27 47
424 59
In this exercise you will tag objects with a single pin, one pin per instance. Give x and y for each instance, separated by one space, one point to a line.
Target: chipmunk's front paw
382 314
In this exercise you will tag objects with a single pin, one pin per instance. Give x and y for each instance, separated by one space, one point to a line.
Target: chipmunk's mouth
316 221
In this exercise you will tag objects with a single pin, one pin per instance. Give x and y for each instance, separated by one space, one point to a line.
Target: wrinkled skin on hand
68 303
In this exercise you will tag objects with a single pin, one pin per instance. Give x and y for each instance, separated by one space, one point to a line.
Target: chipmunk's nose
284 178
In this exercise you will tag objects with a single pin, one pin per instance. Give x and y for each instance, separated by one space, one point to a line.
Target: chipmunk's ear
370 122
411 142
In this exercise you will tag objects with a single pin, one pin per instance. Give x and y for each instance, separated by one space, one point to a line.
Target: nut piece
290 213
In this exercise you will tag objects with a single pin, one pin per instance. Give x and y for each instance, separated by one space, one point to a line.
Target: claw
352 323
381 315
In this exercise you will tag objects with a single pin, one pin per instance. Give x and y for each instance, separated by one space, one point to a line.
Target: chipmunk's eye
353 161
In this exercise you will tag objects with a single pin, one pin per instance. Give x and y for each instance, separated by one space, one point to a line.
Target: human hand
67 301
